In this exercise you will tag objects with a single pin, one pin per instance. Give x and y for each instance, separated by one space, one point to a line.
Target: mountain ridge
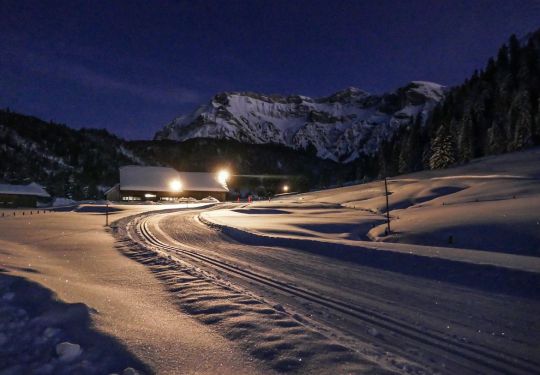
340 126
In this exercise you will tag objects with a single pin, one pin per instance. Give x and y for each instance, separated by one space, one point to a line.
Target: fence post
387 205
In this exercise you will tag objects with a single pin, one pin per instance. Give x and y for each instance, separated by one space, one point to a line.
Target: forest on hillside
82 164
495 111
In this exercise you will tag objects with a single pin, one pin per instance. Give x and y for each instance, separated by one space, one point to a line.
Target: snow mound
67 351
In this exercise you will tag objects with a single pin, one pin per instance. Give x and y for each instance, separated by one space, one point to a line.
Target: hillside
497 110
74 163
340 127
491 204
81 164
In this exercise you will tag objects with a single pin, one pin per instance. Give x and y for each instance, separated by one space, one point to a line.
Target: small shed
139 183
23 195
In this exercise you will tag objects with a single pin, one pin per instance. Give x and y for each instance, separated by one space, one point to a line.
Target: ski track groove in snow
225 309
268 334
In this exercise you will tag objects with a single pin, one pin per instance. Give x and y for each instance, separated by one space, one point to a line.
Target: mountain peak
341 126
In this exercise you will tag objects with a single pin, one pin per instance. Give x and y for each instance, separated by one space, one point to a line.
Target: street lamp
175 186
285 188
223 176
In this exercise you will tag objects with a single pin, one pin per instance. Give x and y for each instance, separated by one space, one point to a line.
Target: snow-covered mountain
341 126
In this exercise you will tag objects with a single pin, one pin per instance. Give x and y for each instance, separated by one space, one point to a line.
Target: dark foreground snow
41 335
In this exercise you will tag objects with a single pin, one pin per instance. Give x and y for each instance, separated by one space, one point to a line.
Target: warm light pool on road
175 185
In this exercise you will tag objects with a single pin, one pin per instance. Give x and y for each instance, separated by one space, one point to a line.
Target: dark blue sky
132 66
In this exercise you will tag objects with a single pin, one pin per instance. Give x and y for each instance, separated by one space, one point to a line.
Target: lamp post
223 176
387 206
107 214
176 186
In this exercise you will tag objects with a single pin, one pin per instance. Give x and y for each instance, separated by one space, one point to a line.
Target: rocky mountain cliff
340 127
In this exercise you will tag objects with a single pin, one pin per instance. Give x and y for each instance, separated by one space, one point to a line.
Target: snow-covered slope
341 126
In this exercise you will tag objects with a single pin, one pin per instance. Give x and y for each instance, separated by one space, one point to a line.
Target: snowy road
369 316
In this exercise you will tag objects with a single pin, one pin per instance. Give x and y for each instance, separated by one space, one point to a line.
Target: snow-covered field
462 258
63 280
491 204
305 284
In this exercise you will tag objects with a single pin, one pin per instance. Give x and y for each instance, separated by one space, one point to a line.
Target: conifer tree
502 57
496 142
521 121
465 139
442 149
536 133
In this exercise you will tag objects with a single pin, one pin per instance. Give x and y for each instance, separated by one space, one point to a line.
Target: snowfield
306 283
491 204
67 276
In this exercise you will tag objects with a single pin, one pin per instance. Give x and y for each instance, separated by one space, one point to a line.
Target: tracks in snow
469 357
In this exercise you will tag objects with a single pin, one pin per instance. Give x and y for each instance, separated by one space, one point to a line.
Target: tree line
495 111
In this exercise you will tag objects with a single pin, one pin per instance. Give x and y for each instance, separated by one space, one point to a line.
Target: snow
154 179
60 202
340 126
315 246
430 90
75 286
67 351
306 283
30 189
494 211
130 155
35 329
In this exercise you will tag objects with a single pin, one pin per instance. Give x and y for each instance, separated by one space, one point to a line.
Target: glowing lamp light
223 176
285 188
175 185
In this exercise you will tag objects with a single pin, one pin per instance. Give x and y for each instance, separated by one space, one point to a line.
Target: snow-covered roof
137 178
30 189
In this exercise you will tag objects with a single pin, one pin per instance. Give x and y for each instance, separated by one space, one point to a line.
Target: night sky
132 66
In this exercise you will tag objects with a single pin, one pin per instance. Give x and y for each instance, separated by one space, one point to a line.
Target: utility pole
107 214
387 207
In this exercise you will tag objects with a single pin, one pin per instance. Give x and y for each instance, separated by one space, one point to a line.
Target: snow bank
60 202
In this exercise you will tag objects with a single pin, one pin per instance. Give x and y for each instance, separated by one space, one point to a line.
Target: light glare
175 185
223 176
